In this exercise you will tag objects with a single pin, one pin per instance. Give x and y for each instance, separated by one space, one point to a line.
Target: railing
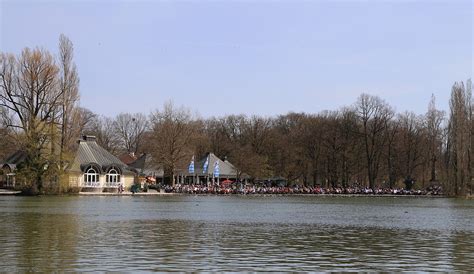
91 184
112 184
99 184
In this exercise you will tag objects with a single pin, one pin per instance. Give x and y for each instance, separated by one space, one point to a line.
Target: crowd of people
252 189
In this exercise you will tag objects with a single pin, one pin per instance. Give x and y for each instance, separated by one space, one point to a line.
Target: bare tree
172 135
85 120
69 89
129 129
470 103
248 138
391 132
284 150
412 139
311 139
103 129
333 147
459 140
256 132
433 122
219 137
373 114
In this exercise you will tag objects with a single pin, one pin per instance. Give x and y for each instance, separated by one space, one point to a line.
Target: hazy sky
252 57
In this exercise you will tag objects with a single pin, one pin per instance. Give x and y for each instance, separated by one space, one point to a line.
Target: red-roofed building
128 158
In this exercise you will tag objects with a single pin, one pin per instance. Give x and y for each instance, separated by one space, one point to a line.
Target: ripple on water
235 234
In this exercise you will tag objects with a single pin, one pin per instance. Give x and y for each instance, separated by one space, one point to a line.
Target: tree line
366 143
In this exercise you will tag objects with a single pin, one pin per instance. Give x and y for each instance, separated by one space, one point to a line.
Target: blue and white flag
191 166
206 165
216 169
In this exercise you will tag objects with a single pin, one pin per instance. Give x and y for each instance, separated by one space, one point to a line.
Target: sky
251 57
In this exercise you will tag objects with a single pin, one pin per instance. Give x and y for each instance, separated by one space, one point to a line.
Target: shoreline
4 192
9 192
256 195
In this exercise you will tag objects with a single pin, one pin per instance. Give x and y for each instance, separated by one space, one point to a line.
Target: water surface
217 233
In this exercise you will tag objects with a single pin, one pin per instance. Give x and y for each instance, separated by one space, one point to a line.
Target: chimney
89 138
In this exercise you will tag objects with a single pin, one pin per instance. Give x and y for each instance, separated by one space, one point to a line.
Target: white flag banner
216 169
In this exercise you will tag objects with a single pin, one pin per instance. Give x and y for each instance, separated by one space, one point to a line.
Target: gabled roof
18 157
145 165
225 167
90 153
14 160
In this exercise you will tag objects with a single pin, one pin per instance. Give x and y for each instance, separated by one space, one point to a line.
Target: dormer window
112 178
91 177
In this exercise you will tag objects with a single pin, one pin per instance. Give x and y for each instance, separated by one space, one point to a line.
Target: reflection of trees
46 242
178 244
34 236
272 247
462 251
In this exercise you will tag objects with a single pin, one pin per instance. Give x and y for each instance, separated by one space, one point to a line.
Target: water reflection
33 241
208 233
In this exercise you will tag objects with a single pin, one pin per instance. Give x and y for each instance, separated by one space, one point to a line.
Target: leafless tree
333 148
69 89
310 140
459 139
256 132
470 103
103 129
392 129
130 128
433 122
172 134
373 114
85 120
412 143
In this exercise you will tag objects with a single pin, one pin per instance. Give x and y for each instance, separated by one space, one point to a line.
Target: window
91 177
112 178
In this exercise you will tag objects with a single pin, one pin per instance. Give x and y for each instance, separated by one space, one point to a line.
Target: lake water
235 233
